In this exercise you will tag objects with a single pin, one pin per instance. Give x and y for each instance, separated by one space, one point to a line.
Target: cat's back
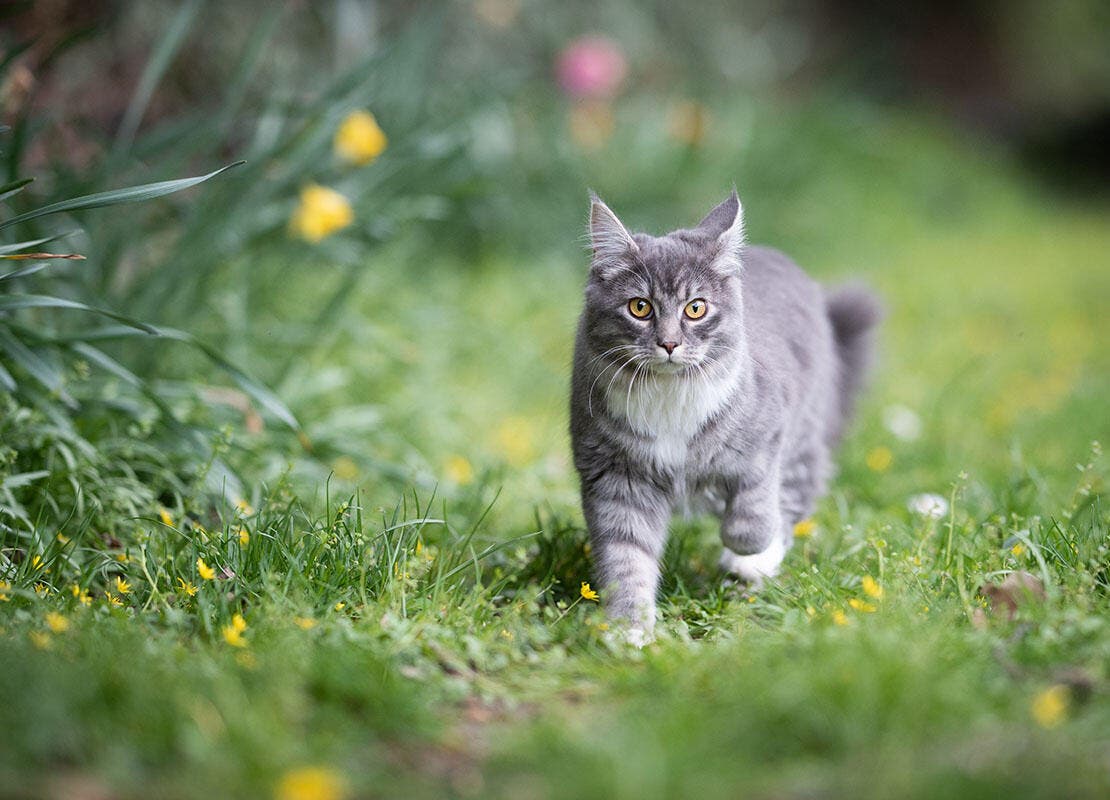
786 320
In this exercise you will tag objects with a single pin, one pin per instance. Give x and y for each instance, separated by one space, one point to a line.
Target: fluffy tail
854 312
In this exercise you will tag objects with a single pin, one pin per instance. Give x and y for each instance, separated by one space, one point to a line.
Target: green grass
437 645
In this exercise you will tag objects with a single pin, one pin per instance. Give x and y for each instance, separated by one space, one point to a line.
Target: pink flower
591 66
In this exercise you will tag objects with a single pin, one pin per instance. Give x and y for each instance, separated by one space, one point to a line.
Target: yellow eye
696 309
639 307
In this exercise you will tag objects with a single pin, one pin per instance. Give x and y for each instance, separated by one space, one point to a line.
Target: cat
705 370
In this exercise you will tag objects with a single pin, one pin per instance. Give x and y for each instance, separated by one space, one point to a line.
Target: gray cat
711 372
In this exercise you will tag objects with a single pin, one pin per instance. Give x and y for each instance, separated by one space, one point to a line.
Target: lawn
402 613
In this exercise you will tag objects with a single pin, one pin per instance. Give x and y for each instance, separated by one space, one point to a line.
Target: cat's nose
668 346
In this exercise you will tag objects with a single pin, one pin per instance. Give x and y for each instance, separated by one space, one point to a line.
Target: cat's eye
696 309
639 307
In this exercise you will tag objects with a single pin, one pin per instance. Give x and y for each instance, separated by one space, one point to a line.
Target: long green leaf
13 302
15 187
159 62
259 393
17 246
6 379
113 197
37 367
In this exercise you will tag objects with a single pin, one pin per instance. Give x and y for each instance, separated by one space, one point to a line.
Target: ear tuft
725 223
608 236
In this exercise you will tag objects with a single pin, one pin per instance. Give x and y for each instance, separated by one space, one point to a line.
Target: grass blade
113 197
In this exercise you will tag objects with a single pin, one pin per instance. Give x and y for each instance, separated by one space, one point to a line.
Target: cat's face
669 304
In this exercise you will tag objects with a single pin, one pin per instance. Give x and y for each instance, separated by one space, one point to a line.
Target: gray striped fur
741 418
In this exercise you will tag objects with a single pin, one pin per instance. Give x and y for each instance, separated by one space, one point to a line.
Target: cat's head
669 303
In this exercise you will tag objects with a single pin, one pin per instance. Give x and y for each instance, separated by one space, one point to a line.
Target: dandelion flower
345 468
56 622
839 617
244 537
122 586
359 139
458 470
879 459
37 563
871 587
515 439
205 571
928 505
40 639
243 507
1050 707
339 606
238 623
903 422
320 213
586 592
165 516
304 623
311 783
41 589
82 595
804 528
233 636
861 605
1018 549
186 587
112 600
5 587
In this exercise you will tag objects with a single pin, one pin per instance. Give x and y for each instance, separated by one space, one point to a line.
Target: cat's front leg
752 525
627 516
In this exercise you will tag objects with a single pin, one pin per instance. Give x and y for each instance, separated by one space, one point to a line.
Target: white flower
928 505
902 421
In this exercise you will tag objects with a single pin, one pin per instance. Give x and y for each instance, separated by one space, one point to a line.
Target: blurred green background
380 303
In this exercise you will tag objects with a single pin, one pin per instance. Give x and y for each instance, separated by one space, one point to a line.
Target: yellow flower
122 586
340 606
243 507
839 617
872 588
238 623
304 623
586 592
233 637
41 589
63 539
1018 549
56 622
345 468
879 459
458 470
186 587
37 563
321 212
112 599
311 783
804 528
5 587
244 537
40 639
83 597
205 571
861 605
359 140
515 439
164 514
1050 707
122 558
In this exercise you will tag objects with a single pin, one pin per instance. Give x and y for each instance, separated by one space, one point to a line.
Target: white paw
638 637
756 567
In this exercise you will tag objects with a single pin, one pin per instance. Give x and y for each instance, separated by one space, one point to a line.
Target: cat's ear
725 224
609 239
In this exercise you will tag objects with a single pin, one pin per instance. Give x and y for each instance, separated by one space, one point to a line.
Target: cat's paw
756 568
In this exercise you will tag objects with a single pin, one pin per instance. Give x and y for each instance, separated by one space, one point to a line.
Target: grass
437 644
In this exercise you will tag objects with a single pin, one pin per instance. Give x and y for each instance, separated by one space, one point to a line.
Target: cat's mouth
669 366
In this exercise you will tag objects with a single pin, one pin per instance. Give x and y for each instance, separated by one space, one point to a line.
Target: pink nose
668 346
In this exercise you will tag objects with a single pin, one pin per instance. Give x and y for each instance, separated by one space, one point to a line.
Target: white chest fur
668 411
